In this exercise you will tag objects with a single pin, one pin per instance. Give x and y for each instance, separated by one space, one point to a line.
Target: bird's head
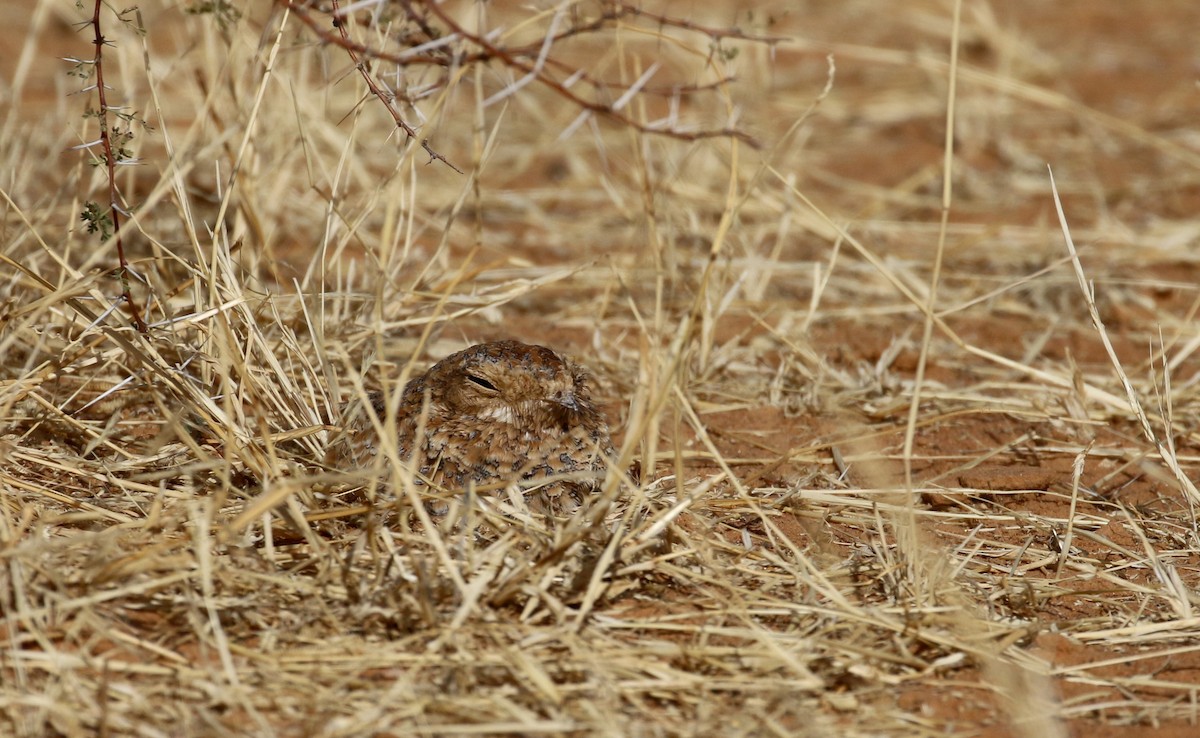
510 382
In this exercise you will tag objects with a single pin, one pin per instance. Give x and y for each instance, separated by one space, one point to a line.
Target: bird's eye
482 382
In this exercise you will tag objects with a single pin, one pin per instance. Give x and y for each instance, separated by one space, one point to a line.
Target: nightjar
494 414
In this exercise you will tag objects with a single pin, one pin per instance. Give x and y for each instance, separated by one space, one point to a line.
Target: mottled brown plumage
494 414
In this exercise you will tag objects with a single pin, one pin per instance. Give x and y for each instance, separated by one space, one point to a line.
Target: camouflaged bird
494 414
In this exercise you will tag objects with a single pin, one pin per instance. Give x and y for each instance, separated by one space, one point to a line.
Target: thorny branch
440 57
608 110
378 92
114 207
447 44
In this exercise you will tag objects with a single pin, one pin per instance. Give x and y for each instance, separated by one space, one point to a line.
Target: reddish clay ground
1110 102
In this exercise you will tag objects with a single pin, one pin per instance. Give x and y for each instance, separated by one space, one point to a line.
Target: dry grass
882 473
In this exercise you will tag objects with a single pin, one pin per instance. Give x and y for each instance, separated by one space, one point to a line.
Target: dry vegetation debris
880 473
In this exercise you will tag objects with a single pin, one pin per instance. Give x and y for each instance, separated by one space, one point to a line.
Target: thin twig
530 60
373 86
114 208
607 110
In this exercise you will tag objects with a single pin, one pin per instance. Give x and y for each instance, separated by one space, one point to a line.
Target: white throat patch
501 414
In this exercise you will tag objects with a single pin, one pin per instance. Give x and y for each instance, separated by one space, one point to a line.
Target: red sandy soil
1136 64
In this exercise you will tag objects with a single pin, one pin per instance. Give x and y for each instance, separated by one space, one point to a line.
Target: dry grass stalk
838 486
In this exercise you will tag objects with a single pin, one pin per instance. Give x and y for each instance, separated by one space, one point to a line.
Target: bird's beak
567 399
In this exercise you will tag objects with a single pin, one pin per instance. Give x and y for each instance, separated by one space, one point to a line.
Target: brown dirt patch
781 559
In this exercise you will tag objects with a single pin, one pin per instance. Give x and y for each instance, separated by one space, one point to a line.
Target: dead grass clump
881 471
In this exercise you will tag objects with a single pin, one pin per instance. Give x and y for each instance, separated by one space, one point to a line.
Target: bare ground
789 546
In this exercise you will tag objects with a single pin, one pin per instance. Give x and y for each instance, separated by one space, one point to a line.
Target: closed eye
482 382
